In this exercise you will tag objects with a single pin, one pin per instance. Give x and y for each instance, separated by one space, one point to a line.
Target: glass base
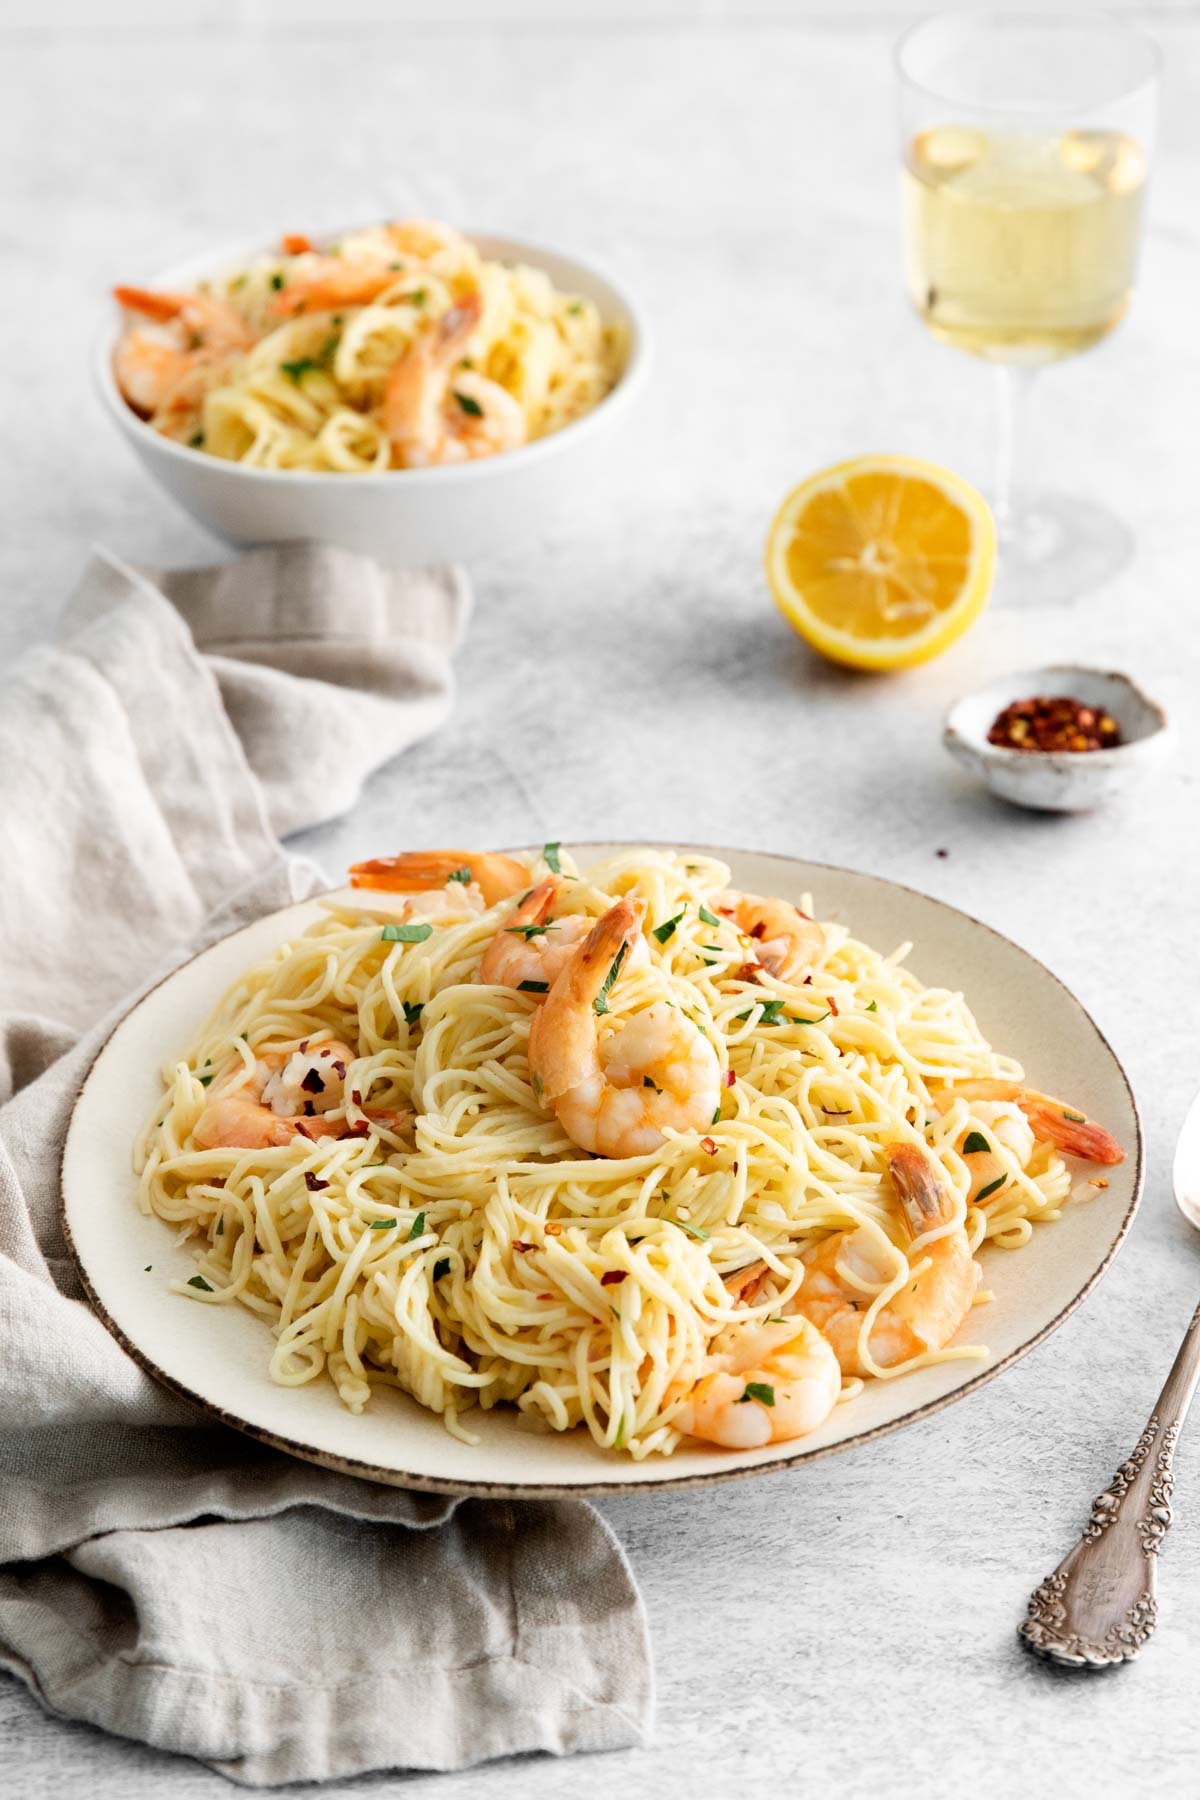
1057 549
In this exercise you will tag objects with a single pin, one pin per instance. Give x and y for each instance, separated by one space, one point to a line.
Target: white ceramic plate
218 1356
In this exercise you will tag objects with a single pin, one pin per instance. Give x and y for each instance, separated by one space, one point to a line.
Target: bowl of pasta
403 389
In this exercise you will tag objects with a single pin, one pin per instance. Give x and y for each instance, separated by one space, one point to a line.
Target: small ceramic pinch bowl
1059 780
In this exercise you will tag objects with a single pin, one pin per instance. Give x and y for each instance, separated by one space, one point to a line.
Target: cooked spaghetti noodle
288 362
456 1243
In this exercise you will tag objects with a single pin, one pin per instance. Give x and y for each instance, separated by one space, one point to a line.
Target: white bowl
1059 780
416 515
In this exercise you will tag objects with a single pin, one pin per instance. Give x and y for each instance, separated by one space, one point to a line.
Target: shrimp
434 414
286 1097
656 1073
786 941
333 282
170 373
847 1266
1007 1129
1053 1121
422 871
521 955
766 1381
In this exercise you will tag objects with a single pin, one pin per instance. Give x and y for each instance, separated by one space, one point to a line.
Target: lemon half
882 562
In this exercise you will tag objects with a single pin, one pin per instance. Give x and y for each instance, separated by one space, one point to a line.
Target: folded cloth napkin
162 1576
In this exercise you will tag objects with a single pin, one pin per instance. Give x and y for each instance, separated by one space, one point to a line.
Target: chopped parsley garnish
204 1080
417 297
147 1268
716 1118
1075 1118
772 1011
413 1011
648 1083
471 407
463 875
406 934
974 1143
277 281
600 1003
533 987
761 1391
692 1230
198 1281
537 1087
303 364
666 929
383 1224
989 1189
526 931
220 1228
708 918
551 858
441 1267
576 306
620 1437
416 1229
873 1007
196 440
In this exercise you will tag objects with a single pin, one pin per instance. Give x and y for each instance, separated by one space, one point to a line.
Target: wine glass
1025 142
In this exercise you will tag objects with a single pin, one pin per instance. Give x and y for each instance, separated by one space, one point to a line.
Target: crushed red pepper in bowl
1054 722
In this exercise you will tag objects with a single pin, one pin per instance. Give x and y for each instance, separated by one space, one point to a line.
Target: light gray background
850 1627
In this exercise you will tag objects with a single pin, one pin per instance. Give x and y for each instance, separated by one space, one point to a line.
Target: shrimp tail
920 1190
562 1035
418 871
150 305
1071 1131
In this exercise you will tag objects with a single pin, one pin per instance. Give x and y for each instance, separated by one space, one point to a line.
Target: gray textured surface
850 1626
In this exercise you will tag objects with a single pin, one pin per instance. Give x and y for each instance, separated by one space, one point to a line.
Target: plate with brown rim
217 1357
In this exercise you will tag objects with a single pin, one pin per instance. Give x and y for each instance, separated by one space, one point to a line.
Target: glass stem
1014 418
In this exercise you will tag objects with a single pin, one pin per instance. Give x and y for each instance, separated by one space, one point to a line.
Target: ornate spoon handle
1098 1607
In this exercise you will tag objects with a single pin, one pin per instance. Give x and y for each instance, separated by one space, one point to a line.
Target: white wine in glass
1025 145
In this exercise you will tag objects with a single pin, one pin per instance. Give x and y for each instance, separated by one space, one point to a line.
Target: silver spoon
1098 1608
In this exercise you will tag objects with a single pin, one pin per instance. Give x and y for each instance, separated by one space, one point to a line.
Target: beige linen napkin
161 1576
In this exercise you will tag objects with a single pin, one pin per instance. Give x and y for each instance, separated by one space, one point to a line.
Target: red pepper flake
295 243
545 1296
759 930
735 1168
303 1045
520 1244
613 1277
339 1069
356 1097
832 1004
1054 722
941 853
313 1183
730 1077
750 972
708 1146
